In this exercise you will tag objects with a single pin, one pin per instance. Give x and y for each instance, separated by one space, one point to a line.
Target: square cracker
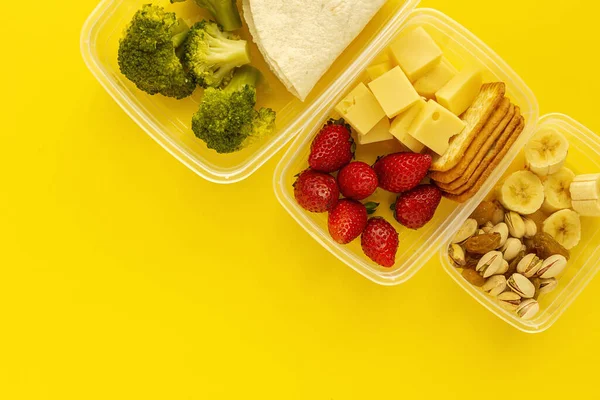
503 130
463 197
481 144
475 118
489 157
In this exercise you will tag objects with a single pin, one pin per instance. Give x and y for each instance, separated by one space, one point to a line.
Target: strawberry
416 207
357 180
315 191
347 221
332 148
401 172
379 242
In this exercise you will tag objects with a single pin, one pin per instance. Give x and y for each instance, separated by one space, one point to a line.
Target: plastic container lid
584 158
168 121
461 48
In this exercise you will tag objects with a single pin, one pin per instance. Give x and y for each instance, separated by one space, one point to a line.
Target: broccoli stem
179 33
244 76
227 14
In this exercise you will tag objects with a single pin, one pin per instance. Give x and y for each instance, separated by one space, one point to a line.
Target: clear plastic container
168 121
584 158
416 247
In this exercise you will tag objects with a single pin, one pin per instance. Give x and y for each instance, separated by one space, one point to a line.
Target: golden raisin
512 267
484 212
473 277
545 246
483 244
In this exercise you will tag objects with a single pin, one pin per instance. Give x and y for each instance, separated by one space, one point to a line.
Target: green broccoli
227 120
224 11
211 55
148 53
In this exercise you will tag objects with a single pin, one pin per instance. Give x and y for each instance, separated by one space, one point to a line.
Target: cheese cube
416 53
394 92
376 70
434 126
460 92
401 125
380 133
435 79
361 109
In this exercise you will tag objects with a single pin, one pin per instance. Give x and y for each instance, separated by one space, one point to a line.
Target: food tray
168 121
584 157
461 48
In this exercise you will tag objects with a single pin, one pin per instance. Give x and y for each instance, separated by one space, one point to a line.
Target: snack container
583 158
168 121
462 49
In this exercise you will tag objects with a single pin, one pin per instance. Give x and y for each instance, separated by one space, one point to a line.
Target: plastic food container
168 121
584 157
416 247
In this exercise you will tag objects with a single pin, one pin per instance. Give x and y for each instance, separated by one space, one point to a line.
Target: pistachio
489 224
515 223
529 265
524 249
512 248
457 255
509 300
521 286
504 268
468 229
530 228
495 285
548 285
528 309
490 264
502 229
552 266
486 229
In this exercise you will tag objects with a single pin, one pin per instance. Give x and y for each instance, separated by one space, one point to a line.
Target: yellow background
125 276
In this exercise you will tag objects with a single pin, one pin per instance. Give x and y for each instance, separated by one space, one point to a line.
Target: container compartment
416 247
584 158
168 121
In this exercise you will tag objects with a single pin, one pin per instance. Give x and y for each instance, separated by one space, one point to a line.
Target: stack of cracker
493 124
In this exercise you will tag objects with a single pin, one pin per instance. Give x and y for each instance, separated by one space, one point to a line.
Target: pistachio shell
528 309
529 265
495 285
490 264
502 229
509 300
530 228
548 285
552 266
516 225
521 286
512 248
505 266
457 255
468 229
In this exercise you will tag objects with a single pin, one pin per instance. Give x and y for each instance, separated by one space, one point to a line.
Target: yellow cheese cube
460 92
434 126
401 125
361 109
376 70
435 79
379 133
394 92
416 52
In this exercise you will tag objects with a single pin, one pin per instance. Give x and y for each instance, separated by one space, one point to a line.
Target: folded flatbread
300 39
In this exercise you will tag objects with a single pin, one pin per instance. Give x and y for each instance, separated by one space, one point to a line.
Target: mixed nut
507 256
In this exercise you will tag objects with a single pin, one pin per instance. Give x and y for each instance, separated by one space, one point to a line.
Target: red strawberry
315 191
401 172
379 241
357 180
332 148
417 207
347 221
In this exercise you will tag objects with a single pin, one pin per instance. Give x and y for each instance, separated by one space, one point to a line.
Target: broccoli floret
211 55
227 120
148 53
224 11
